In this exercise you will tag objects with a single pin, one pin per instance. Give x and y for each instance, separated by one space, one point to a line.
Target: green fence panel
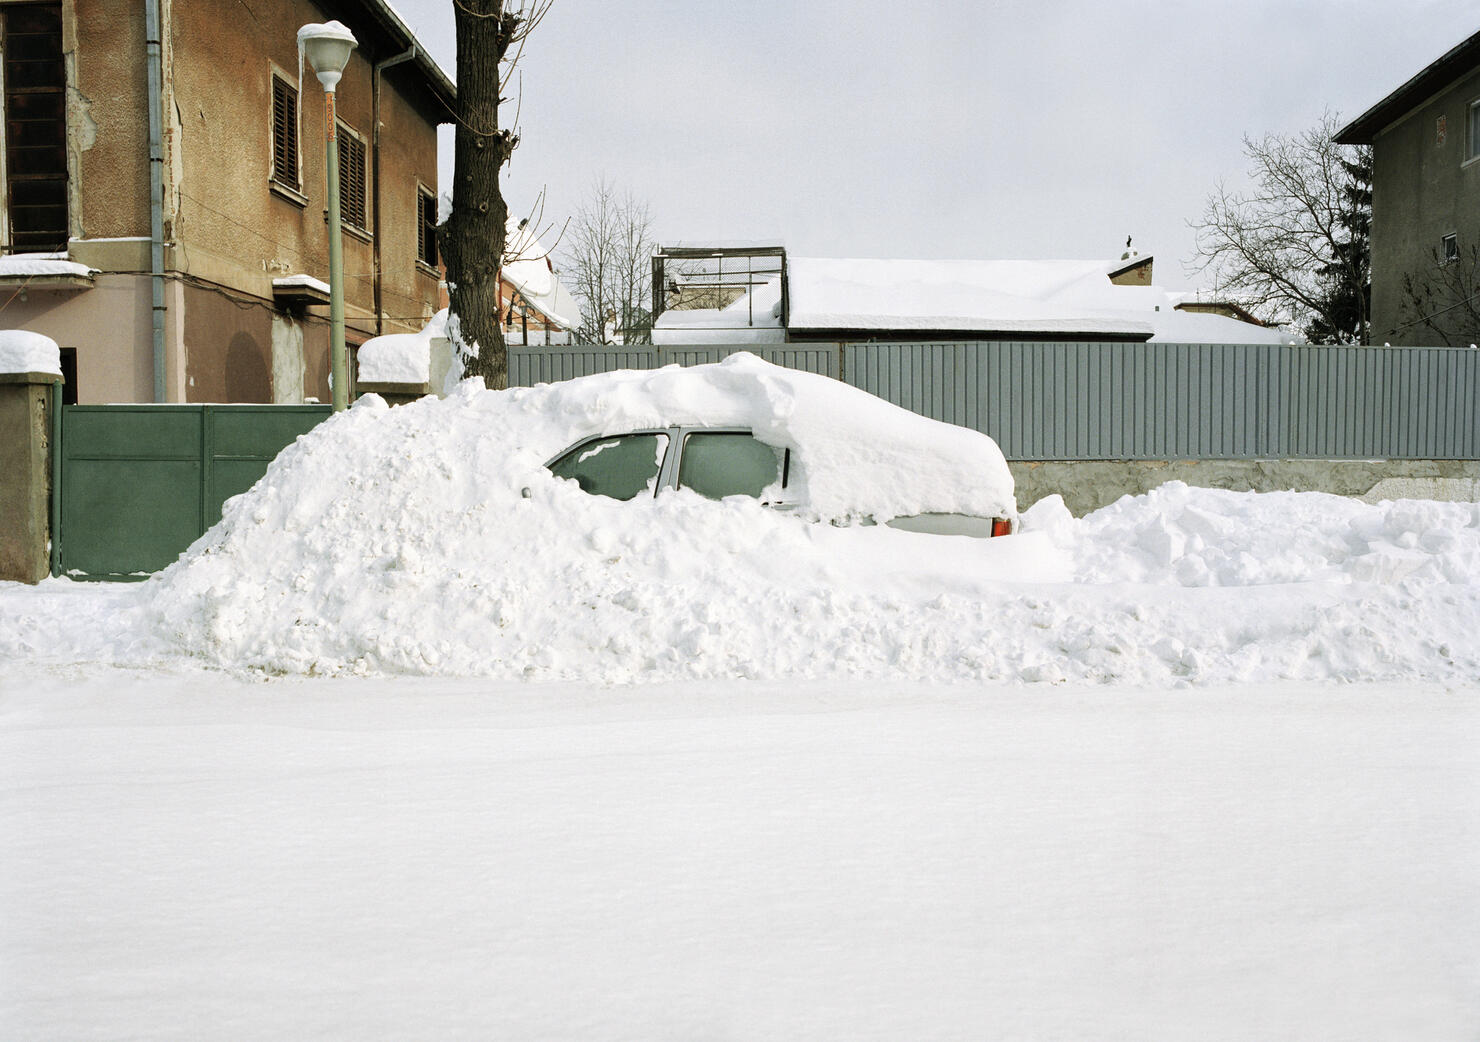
140 483
126 518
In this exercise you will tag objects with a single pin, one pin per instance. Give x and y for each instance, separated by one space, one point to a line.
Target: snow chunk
401 358
22 351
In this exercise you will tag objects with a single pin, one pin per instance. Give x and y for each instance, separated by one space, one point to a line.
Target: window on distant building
1450 244
35 127
1472 143
426 227
352 178
285 133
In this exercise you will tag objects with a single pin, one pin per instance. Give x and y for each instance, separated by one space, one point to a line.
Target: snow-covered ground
187 857
397 752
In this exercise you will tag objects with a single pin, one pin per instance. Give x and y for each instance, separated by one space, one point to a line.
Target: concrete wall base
25 476
1088 485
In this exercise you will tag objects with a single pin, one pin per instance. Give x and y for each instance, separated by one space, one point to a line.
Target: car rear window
623 467
720 464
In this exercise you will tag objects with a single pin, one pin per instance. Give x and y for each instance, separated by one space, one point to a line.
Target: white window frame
1472 132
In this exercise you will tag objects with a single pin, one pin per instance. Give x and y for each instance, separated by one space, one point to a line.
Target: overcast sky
946 129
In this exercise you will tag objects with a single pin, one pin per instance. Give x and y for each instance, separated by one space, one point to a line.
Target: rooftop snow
304 281
1066 298
966 295
527 268
42 264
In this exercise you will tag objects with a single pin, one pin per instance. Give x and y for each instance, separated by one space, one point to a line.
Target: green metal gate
140 483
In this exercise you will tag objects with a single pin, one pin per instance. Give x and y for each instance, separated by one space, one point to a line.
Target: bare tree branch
1282 244
1443 298
609 262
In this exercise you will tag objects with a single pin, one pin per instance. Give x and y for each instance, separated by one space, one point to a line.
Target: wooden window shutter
426 228
352 179
284 133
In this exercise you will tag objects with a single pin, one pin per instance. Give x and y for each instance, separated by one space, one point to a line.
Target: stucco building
1425 139
201 279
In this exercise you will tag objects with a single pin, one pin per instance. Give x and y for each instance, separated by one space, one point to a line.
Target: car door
721 462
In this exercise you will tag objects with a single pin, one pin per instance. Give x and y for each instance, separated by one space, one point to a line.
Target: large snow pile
398 541
401 540
22 351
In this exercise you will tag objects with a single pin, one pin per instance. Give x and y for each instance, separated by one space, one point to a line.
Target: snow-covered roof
527 268
1063 298
975 296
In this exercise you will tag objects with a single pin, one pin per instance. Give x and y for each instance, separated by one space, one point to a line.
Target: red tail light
1001 526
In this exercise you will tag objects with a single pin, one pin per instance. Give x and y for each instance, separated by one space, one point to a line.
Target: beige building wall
107 118
1424 189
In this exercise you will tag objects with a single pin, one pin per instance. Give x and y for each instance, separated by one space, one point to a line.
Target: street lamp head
327 45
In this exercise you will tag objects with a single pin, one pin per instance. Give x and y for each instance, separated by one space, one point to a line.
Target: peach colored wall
108 325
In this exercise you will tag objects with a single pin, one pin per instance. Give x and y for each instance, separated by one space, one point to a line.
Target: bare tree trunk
472 238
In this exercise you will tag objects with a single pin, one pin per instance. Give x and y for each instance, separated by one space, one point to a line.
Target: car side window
718 464
623 467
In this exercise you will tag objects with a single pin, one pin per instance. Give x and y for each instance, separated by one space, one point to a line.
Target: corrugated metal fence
1092 401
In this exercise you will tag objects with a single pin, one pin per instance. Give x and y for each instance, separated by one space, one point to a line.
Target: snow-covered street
184 856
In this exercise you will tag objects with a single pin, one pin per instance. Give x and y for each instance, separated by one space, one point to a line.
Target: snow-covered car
802 443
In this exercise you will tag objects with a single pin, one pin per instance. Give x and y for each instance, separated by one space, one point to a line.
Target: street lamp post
327 46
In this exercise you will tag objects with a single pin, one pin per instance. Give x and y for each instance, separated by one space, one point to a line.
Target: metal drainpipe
375 72
156 189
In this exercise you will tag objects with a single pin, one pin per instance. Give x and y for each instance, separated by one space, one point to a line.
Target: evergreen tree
1347 276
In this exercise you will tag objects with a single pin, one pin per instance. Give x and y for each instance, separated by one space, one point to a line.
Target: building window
285 133
352 178
1450 248
1472 146
35 127
426 227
